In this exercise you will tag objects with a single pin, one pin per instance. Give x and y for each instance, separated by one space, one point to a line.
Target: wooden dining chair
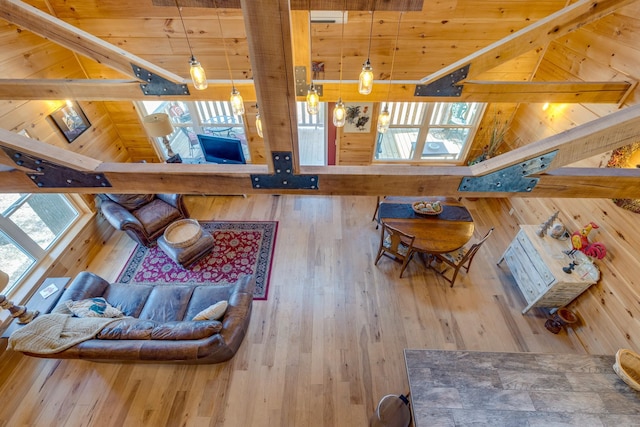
460 258
375 213
397 245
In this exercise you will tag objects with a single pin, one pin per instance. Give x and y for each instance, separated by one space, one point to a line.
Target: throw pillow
213 312
93 307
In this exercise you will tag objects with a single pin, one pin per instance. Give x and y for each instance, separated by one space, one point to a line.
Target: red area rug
240 248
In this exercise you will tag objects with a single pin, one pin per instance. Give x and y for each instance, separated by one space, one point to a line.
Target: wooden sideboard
536 264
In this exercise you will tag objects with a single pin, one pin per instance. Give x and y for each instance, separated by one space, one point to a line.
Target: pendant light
259 123
197 72
384 119
313 99
237 103
339 112
365 82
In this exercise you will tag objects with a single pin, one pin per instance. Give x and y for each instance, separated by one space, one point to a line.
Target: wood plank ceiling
268 25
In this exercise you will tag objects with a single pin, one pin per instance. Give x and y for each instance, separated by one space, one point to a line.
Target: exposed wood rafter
531 37
79 41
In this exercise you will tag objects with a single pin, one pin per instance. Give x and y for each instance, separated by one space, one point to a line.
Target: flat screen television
219 149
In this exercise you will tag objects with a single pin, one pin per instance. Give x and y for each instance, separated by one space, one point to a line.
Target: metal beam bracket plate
513 179
157 85
51 175
444 86
301 82
284 178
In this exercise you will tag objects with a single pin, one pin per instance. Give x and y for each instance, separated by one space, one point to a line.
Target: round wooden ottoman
185 242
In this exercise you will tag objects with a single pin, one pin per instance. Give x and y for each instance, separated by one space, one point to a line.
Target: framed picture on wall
358 118
71 120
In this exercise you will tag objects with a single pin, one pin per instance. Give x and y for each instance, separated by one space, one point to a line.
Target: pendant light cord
341 50
370 35
224 44
185 29
393 58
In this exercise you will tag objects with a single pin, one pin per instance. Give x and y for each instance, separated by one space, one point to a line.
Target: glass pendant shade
313 100
197 74
339 114
384 120
237 103
259 125
365 84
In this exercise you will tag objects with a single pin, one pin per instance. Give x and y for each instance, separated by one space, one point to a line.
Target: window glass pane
445 143
312 148
7 201
397 144
15 261
407 113
43 217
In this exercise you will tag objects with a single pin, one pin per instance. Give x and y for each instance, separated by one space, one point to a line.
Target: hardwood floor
321 351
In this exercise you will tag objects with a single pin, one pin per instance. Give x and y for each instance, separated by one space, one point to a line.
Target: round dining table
445 232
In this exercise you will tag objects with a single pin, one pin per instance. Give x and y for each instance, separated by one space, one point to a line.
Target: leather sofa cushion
186 330
131 201
205 295
167 303
141 329
156 215
130 299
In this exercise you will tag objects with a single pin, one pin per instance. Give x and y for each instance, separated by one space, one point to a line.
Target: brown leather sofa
144 217
161 329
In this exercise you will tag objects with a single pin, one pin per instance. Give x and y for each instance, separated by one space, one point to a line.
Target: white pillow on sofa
213 312
93 307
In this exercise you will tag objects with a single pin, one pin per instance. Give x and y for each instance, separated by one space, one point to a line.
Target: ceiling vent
328 17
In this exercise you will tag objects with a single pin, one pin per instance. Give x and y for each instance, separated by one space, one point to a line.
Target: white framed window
30 225
312 135
428 132
199 117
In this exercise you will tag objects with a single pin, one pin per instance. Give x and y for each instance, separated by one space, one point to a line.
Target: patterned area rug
240 248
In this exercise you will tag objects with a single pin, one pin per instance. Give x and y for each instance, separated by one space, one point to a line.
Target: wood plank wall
605 50
31 56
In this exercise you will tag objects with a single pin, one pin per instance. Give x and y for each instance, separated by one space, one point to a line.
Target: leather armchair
144 217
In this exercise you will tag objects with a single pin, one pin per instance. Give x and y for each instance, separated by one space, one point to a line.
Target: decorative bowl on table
426 207
183 233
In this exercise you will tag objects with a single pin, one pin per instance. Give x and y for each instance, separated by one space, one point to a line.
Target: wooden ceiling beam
134 178
474 91
386 5
268 27
51 28
601 135
531 37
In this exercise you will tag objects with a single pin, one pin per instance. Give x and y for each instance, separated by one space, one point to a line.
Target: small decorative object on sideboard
580 242
547 224
561 318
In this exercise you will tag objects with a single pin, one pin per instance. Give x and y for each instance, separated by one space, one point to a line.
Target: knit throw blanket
55 332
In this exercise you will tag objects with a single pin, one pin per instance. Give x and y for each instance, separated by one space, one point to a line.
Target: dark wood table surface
445 232
462 388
